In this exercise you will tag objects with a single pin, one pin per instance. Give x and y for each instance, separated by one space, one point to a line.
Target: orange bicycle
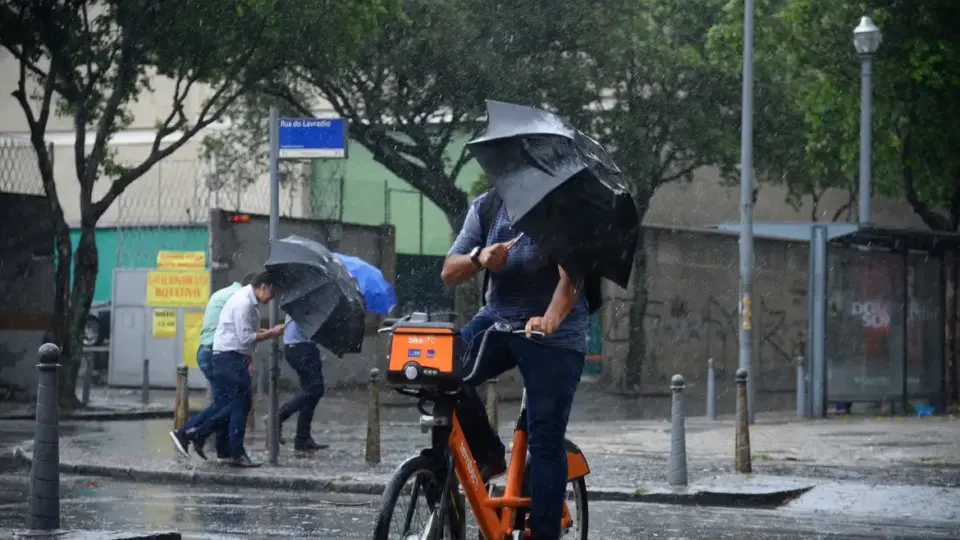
424 362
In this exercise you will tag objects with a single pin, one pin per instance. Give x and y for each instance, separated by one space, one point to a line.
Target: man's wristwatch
475 258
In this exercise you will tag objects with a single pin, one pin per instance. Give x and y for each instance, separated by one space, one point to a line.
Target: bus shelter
877 314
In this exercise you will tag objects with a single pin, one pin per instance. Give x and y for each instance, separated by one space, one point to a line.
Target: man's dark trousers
550 376
231 372
204 361
305 359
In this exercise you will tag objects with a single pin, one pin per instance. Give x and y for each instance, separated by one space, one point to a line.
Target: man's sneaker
181 443
243 462
309 446
493 469
198 449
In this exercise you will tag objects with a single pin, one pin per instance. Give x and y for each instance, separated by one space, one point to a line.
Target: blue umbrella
377 292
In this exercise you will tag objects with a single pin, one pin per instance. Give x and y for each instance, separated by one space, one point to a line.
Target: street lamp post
746 209
866 39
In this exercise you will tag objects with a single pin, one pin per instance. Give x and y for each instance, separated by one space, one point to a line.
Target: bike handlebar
498 327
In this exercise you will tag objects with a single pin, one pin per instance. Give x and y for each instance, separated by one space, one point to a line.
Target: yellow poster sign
192 323
181 260
164 323
168 288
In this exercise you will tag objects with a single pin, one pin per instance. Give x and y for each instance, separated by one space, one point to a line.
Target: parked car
97 330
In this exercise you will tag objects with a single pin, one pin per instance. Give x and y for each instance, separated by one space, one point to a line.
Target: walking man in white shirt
211 320
238 333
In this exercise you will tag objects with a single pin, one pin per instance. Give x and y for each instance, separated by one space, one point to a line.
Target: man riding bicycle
525 286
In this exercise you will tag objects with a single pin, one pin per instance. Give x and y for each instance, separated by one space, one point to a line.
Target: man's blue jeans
231 404
550 375
305 359
204 356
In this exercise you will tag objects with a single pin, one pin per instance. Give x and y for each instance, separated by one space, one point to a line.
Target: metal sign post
324 137
274 437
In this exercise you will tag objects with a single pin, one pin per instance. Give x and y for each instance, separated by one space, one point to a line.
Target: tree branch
846 207
38 129
126 74
932 219
464 157
209 114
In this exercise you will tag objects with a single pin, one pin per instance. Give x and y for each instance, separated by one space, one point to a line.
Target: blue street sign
308 138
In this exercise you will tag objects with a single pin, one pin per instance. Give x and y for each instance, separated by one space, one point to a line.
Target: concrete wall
26 286
238 248
691 315
708 199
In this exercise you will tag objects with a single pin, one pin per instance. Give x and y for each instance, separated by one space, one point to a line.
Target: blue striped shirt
524 287
292 333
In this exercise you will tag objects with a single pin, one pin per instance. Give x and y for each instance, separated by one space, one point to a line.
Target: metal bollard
45 471
181 407
145 389
87 379
678 435
742 451
492 403
711 391
373 419
801 389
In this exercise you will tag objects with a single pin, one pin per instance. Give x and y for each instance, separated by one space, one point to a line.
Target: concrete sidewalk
106 404
628 458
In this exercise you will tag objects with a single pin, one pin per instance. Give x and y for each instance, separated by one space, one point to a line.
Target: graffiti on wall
692 327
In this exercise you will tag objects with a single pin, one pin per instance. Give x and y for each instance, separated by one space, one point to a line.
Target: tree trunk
637 349
85 268
57 332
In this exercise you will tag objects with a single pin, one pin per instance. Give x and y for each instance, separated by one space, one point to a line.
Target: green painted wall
137 248
367 188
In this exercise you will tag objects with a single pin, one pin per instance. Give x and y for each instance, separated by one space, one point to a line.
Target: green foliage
103 55
640 82
803 48
413 86
90 60
479 185
425 75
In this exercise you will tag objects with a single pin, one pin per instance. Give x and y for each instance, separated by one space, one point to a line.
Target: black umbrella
318 292
560 187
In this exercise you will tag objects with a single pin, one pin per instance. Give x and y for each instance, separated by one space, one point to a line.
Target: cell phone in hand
513 242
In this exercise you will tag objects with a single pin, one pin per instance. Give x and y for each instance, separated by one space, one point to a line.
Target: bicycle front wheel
410 505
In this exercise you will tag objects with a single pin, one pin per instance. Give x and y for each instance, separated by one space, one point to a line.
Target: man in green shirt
211 318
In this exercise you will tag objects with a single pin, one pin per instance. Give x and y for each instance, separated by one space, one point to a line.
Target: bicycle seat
424 353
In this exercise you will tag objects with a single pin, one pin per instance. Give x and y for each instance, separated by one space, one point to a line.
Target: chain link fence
19 172
168 208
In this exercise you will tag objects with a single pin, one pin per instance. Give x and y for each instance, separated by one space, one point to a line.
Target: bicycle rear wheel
419 480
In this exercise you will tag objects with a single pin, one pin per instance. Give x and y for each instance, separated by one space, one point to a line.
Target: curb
681 496
94 535
106 416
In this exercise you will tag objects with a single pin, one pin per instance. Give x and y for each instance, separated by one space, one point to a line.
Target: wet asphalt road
217 514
